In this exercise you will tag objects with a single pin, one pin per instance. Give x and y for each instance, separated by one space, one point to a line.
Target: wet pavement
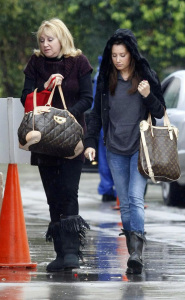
102 273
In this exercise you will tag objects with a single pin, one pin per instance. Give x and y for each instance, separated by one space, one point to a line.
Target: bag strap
145 148
166 121
50 97
61 95
35 98
50 83
35 93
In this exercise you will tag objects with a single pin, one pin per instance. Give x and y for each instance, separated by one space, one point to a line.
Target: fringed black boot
135 261
53 234
73 230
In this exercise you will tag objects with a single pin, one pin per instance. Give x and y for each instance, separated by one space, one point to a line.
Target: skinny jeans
61 184
130 186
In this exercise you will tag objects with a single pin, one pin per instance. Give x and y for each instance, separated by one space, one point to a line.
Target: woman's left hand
54 78
144 88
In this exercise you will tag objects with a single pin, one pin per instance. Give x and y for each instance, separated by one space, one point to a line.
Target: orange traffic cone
117 206
14 249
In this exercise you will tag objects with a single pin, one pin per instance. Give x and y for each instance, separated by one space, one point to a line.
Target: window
171 93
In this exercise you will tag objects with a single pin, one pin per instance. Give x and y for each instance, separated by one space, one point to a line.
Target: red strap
51 82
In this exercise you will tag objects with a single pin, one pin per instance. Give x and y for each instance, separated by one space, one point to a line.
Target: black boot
53 234
135 261
127 235
73 230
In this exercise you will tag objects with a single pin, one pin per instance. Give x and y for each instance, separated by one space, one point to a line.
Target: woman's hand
144 88
90 153
54 78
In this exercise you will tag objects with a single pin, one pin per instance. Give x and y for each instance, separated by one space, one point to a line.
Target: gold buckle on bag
59 120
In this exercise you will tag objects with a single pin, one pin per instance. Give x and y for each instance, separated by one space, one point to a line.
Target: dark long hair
135 76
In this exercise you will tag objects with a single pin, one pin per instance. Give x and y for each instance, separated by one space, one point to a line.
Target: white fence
11 114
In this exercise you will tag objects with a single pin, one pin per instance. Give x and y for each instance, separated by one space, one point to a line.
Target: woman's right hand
90 153
54 78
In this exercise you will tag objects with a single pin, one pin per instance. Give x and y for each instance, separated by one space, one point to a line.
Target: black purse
49 130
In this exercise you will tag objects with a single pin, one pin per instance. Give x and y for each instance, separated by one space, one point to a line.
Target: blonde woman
58 58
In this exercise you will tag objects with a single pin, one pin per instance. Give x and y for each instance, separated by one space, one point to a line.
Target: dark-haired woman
127 90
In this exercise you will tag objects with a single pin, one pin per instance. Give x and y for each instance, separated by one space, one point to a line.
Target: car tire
173 194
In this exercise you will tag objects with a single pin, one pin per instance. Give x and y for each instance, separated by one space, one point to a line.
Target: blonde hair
58 29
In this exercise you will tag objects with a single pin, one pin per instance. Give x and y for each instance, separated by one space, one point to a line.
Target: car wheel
173 194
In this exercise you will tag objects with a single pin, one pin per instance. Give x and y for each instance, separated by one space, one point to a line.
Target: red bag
42 99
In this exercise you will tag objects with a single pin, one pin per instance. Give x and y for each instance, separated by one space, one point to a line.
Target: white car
173 88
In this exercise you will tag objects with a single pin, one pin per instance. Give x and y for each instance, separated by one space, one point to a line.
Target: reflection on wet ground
105 259
102 273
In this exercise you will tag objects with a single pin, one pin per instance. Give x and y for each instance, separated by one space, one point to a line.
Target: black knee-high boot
53 234
127 235
135 261
73 230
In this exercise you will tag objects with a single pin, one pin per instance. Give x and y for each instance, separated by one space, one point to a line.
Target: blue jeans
106 185
130 186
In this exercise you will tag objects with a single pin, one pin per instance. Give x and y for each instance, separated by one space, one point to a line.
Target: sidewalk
102 274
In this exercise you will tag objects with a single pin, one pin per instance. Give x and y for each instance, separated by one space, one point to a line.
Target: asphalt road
102 274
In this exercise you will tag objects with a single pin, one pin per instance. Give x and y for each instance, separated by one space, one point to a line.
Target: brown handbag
158 155
49 130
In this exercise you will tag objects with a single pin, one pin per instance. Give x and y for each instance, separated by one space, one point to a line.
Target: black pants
61 184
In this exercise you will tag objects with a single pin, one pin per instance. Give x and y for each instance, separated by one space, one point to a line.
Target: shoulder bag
158 155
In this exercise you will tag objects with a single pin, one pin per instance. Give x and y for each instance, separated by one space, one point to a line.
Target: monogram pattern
163 155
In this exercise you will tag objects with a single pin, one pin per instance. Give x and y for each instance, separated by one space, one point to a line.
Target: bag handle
50 83
50 97
35 93
61 95
166 121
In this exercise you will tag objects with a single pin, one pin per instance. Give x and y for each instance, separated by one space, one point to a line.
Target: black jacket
154 103
99 116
